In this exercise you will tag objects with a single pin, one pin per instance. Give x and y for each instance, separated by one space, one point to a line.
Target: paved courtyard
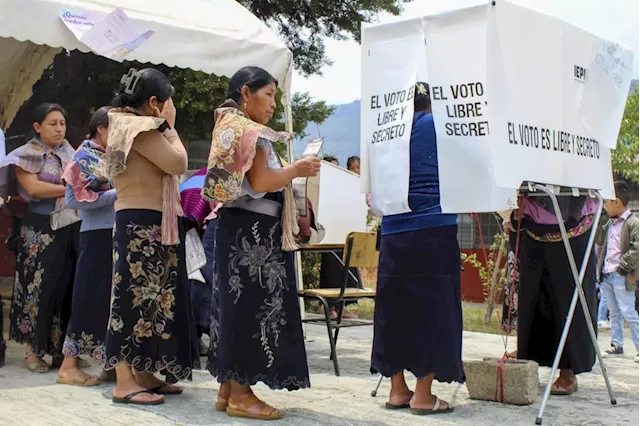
30 399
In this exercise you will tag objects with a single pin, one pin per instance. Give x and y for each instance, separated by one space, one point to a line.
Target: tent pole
288 125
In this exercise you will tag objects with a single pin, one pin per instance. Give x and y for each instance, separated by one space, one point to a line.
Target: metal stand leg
578 293
375 391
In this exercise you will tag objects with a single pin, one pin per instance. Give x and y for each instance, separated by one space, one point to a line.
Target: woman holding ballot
418 312
256 329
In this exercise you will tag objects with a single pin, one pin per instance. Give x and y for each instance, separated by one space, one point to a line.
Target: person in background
618 266
418 310
150 326
46 258
92 195
200 215
353 164
331 159
603 309
256 328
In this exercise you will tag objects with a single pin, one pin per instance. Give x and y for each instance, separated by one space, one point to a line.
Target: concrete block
520 377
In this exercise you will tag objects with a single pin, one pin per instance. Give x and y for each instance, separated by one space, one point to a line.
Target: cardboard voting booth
517 96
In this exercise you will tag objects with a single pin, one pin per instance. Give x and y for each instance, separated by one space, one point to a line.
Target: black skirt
201 292
546 289
418 311
151 324
87 328
256 329
45 266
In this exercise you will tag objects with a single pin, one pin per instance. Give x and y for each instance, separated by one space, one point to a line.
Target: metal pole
578 293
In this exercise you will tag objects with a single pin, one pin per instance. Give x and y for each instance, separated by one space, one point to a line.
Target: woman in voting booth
545 285
418 312
256 329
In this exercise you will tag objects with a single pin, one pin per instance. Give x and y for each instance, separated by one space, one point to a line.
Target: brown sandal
562 390
241 409
81 379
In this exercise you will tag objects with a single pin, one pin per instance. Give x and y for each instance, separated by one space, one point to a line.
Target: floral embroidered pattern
576 231
511 286
27 287
143 303
85 344
152 283
262 261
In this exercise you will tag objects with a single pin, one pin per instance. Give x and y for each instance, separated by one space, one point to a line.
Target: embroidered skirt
545 292
150 324
201 292
45 266
511 285
256 329
87 328
418 311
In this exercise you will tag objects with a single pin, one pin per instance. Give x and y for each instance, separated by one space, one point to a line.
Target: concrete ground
31 399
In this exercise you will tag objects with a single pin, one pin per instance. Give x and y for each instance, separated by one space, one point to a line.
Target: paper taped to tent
507 108
215 36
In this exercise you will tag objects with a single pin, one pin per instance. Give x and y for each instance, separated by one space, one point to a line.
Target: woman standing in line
418 311
90 192
256 329
46 258
150 325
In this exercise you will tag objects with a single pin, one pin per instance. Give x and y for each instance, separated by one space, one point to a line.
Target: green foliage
305 24
485 270
83 82
624 159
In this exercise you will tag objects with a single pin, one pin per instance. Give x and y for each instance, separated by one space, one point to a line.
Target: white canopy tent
215 36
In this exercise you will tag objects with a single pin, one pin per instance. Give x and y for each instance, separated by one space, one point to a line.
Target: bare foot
399 399
151 382
222 400
122 391
427 403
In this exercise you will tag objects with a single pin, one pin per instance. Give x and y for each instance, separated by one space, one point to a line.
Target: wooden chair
359 252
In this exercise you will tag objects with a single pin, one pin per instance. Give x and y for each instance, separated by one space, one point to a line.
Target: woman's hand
168 112
307 166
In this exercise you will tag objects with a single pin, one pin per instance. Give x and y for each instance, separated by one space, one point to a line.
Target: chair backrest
360 250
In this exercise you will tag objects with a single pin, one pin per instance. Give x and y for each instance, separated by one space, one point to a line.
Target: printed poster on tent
555 110
456 66
389 74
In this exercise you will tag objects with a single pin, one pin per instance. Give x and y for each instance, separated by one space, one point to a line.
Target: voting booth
522 103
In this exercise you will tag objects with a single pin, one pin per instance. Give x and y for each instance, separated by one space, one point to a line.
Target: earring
245 105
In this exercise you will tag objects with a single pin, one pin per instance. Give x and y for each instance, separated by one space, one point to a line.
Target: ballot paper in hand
112 36
313 148
196 257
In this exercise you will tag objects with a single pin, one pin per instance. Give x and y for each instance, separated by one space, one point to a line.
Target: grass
472 316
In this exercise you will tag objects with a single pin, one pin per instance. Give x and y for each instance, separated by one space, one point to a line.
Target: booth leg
577 294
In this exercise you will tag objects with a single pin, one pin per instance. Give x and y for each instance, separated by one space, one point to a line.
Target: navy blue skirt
418 311
87 328
201 292
256 328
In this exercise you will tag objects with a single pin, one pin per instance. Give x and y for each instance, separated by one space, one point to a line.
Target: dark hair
100 118
42 111
623 193
255 78
422 97
330 158
150 82
352 160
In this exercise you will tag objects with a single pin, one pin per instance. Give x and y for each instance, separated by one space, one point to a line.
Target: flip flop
389 406
158 390
129 399
432 410
241 410
86 382
561 390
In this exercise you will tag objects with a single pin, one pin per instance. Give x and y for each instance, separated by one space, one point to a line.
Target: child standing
618 266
